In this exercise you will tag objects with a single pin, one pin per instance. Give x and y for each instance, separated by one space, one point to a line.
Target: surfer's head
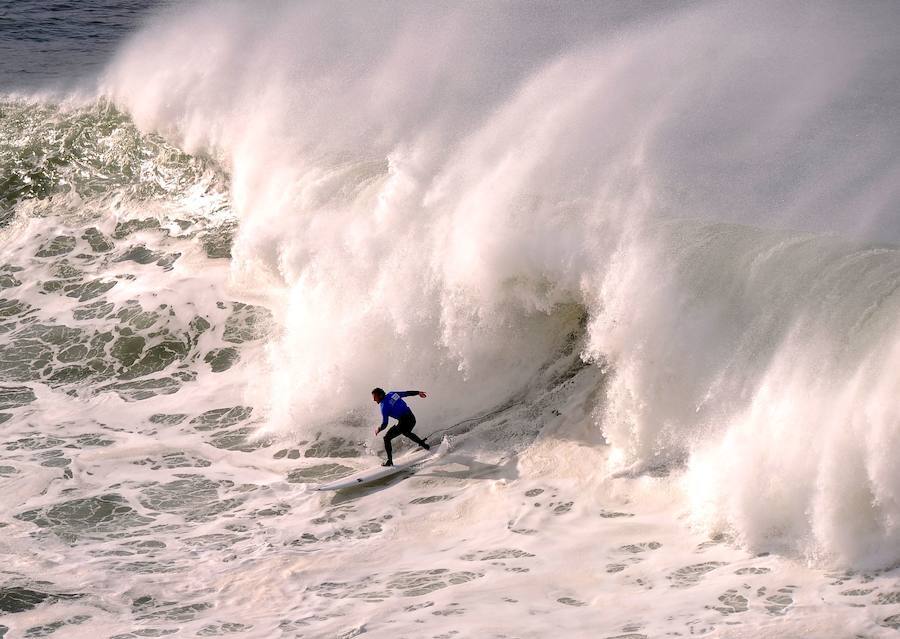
378 395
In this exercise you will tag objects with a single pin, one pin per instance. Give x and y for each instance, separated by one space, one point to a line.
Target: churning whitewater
643 258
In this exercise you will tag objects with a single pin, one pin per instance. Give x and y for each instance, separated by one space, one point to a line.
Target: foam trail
443 194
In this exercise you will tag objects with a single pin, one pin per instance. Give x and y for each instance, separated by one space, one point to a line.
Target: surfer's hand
380 428
423 394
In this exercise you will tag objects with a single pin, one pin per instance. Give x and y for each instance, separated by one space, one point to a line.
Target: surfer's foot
388 463
426 446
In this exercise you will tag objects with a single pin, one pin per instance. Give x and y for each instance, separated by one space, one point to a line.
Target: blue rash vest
393 406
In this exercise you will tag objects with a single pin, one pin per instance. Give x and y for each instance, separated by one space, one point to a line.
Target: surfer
392 405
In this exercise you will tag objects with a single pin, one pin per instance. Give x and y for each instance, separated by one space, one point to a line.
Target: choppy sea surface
644 259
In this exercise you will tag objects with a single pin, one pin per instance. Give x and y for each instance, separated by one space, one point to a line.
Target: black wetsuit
404 426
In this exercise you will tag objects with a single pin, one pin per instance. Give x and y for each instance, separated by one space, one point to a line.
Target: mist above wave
428 193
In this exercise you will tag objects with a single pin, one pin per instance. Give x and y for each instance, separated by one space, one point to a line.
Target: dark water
59 43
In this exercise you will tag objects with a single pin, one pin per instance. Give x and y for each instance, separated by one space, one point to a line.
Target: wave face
436 189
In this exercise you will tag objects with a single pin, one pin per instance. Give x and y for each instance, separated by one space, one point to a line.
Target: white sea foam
434 199
629 251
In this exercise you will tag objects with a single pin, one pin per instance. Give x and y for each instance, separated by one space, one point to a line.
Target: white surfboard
370 475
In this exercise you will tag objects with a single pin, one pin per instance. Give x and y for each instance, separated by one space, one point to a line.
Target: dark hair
378 391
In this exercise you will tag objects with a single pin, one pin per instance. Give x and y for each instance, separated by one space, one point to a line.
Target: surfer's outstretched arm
411 393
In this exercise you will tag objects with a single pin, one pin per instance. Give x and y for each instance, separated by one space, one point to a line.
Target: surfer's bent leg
407 422
392 432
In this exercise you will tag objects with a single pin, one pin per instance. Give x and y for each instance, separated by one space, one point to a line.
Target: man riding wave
392 405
